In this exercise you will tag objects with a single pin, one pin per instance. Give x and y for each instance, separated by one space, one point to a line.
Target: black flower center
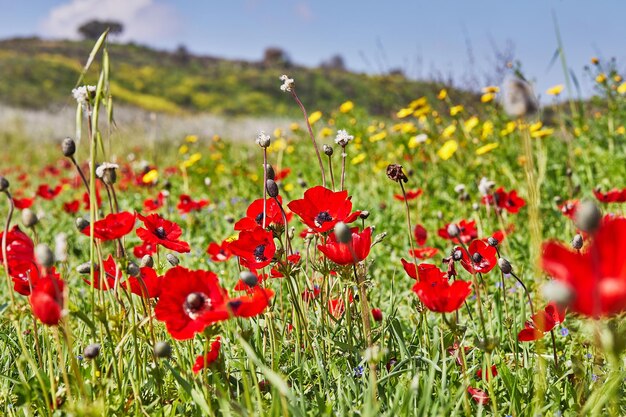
322 218
477 257
160 232
259 218
259 253
196 303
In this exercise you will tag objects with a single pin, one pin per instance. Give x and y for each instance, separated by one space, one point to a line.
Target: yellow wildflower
542 133
416 140
448 149
183 149
150 176
620 130
595 61
601 78
358 159
487 97
278 132
326 132
622 88
456 110
191 139
378 136
289 187
555 90
294 127
315 116
471 123
346 106
442 94
491 89
402 113
422 101
192 160
448 131
487 148
487 129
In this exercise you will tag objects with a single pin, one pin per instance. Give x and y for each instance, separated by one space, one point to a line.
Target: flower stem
308 125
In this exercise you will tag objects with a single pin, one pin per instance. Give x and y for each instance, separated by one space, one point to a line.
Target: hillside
38 73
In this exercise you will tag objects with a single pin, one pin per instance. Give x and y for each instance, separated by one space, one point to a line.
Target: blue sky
424 38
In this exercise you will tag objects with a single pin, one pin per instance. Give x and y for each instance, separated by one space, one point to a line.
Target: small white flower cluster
263 139
101 169
60 247
485 186
287 83
343 138
81 94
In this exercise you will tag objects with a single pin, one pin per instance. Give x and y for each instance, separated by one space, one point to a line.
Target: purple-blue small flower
564 331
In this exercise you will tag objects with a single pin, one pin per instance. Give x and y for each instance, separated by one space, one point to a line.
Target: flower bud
272 188
492 241
60 247
43 255
364 214
162 350
301 182
343 233
263 140
328 150
29 219
577 241
81 223
395 173
146 261
92 351
457 255
133 269
84 268
68 147
4 184
453 230
505 265
172 259
248 278
270 172
588 216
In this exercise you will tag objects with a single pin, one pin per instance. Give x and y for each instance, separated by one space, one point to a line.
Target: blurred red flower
48 193
410 195
612 196
160 231
541 323
186 204
508 201
254 215
219 252
23 203
348 253
467 231
204 361
113 226
46 300
436 292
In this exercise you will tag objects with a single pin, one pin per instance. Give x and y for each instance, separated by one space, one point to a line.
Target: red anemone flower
612 196
186 204
467 231
152 204
204 361
46 300
281 174
509 201
113 226
481 258
491 373
190 301
255 248
282 268
146 248
377 315
160 231
437 294
480 396
219 252
251 304
569 208
147 285
48 193
423 271
410 195
420 234
597 277
112 273
254 215
23 203
71 207
87 199
423 253
321 208
541 323
348 253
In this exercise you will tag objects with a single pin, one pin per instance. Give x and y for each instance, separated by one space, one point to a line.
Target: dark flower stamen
160 232
259 253
322 218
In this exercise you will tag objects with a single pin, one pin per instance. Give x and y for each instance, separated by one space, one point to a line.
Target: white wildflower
460 188
421 138
81 94
103 167
263 139
343 138
60 247
287 83
485 186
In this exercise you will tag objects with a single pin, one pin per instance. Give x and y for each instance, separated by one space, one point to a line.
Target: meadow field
445 259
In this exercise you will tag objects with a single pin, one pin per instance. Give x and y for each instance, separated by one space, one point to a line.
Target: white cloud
143 20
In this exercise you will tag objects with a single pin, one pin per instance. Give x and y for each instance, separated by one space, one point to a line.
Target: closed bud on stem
453 230
133 269
272 188
81 223
44 256
577 241
505 265
364 214
146 261
68 147
249 278
92 351
588 216
29 219
84 268
343 233
457 255
172 259
328 150
162 350
4 184
270 172
492 241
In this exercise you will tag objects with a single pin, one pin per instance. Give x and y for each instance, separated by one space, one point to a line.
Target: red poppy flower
252 304
541 323
112 272
219 252
23 203
242 286
190 301
508 201
423 271
87 199
152 204
467 231
482 257
377 315
569 208
336 306
20 260
186 204
423 253
612 196
491 373
113 226
436 292
146 248
420 234
597 277
48 193
160 231
480 396
204 361
71 207
410 195
348 254
255 248
147 285
321 208
254 215
281 174
46 300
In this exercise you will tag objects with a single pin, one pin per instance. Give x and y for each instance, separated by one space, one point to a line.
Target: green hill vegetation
38 73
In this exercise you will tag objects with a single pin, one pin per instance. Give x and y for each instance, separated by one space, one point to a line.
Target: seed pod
492 241
270 172
364 214
328 150
84 268
505 265
68 147
343 233
162 350
29 219
453 230
577 241
263 140
249 278
172 259
92 351
457 255
43 255
81 223
146 261
4 184
588 216
133 269
272 188
395 173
